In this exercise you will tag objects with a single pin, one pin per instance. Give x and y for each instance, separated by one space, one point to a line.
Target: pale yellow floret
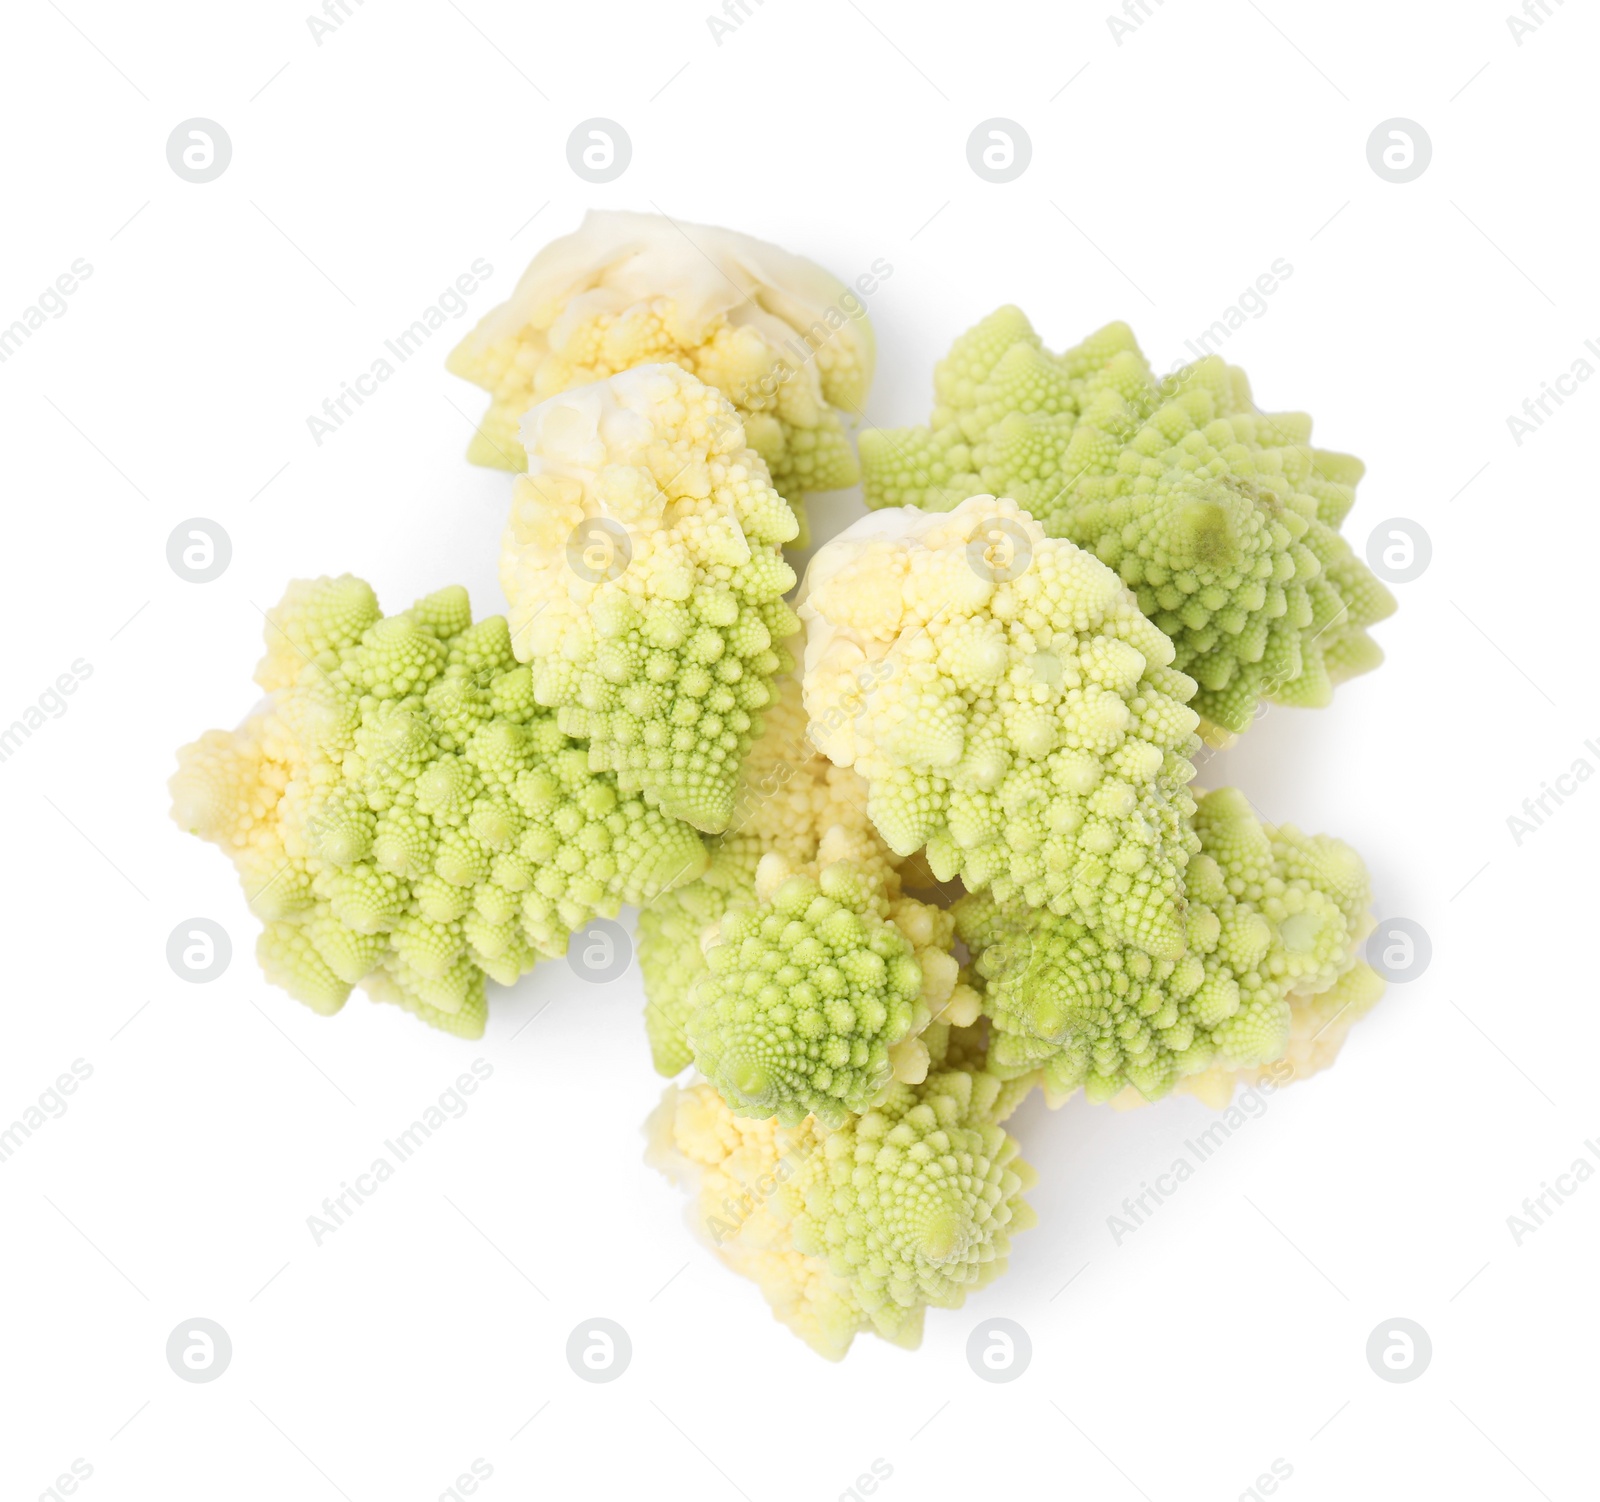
783 339
734 1168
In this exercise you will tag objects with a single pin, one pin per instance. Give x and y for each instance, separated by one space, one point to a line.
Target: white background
1168 171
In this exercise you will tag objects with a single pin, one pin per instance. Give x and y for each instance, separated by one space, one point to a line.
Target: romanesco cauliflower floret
784 340
788 796
671 961
861 1228
1319 1023
405 817
938 466
1222 519
1315 956
645 576
813 991
1272 916
734 1168
744 989
914 1202
1010 709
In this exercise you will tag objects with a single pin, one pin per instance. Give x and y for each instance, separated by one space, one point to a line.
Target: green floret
998 368
1270 913
671 960
914 1202
644 565
1222 519
806 995
791 799
405 817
